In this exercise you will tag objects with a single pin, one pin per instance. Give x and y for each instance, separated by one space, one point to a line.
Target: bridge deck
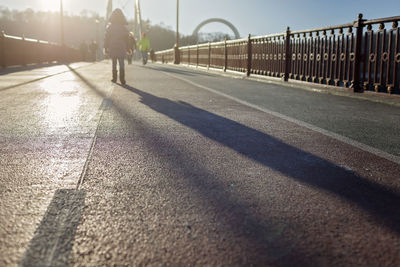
189 168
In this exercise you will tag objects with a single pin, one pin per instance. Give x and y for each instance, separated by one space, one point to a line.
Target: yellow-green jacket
144 44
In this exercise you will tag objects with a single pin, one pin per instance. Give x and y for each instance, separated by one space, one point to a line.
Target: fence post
24 51
39 58
288 56
226 56
249 55
62 54
197 56
209 55
188 56
2 48
356 84
177 55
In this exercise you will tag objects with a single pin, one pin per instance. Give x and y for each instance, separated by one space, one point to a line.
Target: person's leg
144 54
122 70
121 61
114 63
146 57
114 70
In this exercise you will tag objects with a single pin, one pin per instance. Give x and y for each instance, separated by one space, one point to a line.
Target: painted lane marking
333 135
105 105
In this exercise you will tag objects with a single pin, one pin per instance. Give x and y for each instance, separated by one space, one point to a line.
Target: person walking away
152 55
144 46
84 51
93 50
116 43
132 47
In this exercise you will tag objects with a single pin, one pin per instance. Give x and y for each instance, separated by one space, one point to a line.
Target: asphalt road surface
187 168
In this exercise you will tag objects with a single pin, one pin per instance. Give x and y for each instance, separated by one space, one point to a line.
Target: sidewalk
318 88
165 172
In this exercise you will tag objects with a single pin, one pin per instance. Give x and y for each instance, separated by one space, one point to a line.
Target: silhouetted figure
144 46
93 50
116 43
132 47
152 55
84 51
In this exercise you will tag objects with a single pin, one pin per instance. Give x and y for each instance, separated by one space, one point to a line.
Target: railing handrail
382 20
190 46
164 51
328 28
218 43
267 36
12 37
27 39
236 41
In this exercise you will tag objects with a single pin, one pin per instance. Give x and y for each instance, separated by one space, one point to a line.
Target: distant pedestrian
144 46
84 51
152 55
116 43
93 50
132 47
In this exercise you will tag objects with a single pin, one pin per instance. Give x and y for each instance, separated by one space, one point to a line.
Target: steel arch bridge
223 21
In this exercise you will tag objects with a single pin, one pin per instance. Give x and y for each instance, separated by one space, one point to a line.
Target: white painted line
88 158
106 103
336 136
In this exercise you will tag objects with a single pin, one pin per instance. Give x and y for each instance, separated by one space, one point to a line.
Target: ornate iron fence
363 55
165 56
268 55
381 47
237 55
325 55
20 51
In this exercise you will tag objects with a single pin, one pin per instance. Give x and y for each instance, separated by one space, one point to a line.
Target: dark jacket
116 40
132 42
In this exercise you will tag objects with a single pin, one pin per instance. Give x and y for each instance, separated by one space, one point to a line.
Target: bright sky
249 16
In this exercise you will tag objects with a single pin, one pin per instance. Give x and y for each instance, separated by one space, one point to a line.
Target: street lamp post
177 54
97 39
177 23
62 22
62 52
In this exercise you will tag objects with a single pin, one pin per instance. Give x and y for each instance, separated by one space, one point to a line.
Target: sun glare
50 5
62 102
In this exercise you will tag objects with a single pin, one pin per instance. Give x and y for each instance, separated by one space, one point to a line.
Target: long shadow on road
304 167
266 241
377 200
54 238
179 71
25 68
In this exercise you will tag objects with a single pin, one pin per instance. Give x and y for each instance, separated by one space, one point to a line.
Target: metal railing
20 51
363 55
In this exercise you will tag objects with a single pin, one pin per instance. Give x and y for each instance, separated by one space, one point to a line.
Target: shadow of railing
10 70
54 238
377 200
267 235
44 76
